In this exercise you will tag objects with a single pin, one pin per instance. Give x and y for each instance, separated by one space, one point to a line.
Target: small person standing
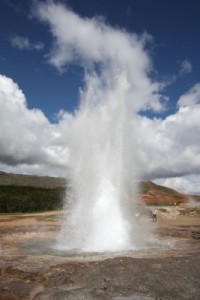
154 215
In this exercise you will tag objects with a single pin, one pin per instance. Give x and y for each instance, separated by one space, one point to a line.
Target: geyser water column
103 165
96 218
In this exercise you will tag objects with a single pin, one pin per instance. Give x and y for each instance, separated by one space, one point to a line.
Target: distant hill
152 193
150 188
31 180
148 191
26 193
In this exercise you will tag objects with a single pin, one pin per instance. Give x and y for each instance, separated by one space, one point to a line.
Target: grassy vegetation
30 199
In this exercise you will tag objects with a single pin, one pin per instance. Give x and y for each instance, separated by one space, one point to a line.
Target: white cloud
23 43
186 67
168 151
190 98
170 147
27 139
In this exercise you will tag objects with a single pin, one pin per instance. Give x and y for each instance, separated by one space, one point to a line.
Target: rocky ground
30 271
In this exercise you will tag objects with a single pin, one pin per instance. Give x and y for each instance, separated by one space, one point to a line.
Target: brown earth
30 272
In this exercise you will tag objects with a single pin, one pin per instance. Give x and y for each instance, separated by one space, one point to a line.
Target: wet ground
31 268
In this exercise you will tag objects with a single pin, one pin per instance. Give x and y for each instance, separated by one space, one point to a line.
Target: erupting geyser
100 204
103 162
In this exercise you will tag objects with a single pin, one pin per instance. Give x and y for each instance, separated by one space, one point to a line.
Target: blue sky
174 26
52 50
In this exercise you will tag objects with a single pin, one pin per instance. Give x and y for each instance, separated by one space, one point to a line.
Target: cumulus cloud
170 147
26 136
186 67
23 43
191 97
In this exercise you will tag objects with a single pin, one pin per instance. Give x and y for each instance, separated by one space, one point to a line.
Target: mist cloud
23 43
186 67
101 49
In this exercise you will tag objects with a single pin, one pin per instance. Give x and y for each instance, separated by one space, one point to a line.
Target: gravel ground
30 272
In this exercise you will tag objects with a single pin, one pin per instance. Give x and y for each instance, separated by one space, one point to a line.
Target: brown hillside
150 188
152 193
